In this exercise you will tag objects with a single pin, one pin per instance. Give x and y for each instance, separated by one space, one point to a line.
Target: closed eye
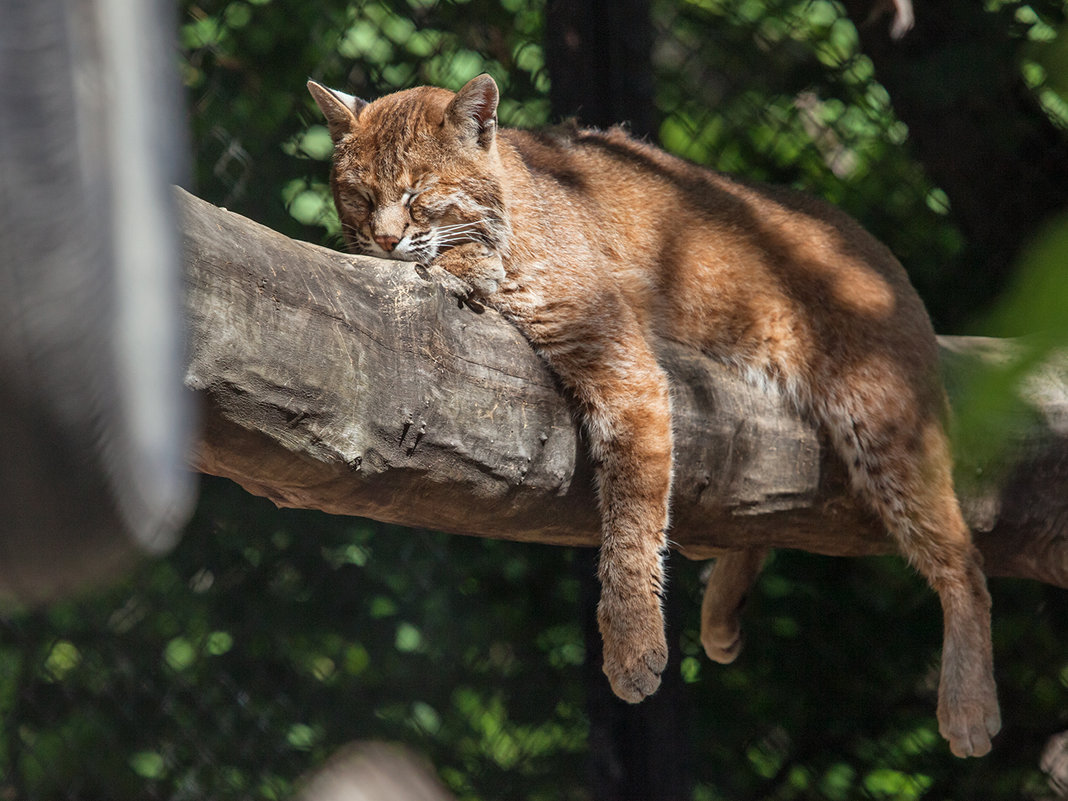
411 194
418 186
358 203
357 194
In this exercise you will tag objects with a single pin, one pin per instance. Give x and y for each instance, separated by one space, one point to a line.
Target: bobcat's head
415 172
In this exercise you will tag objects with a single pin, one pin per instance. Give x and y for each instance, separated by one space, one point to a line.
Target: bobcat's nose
386 242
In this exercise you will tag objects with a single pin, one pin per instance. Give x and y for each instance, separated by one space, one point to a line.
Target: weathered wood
361 387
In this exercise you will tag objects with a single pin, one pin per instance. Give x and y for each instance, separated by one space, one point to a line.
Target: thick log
362 387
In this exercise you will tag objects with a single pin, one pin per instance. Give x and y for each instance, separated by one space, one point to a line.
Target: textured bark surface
361 387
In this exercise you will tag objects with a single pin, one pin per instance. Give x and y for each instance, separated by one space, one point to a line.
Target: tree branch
360 387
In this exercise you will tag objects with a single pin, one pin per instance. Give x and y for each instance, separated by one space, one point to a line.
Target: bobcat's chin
408 256
401 252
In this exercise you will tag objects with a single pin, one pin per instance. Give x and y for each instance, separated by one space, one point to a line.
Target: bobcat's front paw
459 289
486 274
636 678
634 658
476 265
969 727
487 285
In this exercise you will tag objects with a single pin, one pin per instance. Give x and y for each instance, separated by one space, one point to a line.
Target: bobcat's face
411 177
414 215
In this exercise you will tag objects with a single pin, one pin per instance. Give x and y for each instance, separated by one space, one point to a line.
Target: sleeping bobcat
596 245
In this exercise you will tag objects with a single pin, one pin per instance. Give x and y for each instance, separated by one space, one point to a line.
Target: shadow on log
360 387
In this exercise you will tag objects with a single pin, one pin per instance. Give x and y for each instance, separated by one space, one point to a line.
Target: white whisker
459 226
455 236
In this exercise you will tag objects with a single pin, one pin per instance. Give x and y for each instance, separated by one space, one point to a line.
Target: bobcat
595 246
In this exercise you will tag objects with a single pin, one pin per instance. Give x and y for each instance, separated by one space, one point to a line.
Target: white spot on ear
340 109
351 102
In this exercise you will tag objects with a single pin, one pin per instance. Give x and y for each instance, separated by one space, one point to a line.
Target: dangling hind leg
911 486
968 714
732 577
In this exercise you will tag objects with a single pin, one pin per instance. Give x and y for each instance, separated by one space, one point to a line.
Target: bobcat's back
784 286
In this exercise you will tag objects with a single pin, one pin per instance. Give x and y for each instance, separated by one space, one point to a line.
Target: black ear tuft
474 110
340 109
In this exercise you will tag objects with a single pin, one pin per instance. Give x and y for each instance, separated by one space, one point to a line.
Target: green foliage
1033 311
1045 62
777 90
1034 305
268 639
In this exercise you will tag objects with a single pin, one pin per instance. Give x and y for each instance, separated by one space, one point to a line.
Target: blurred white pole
372 771
94 422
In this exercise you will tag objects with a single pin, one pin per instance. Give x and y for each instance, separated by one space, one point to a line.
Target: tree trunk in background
598 53
643 751
598 57
978 131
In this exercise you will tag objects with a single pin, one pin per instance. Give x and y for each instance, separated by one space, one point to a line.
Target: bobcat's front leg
598 348
628 420
632 444
477 266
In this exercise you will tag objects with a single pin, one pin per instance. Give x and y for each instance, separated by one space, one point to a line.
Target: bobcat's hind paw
722 645
636 676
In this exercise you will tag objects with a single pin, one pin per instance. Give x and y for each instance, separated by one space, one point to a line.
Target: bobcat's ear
474 110
340 109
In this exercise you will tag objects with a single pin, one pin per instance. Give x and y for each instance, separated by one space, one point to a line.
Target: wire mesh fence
269 639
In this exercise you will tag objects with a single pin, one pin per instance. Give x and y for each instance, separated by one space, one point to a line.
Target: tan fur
596 246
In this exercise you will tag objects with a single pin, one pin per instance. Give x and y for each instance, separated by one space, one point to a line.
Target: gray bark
361 387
